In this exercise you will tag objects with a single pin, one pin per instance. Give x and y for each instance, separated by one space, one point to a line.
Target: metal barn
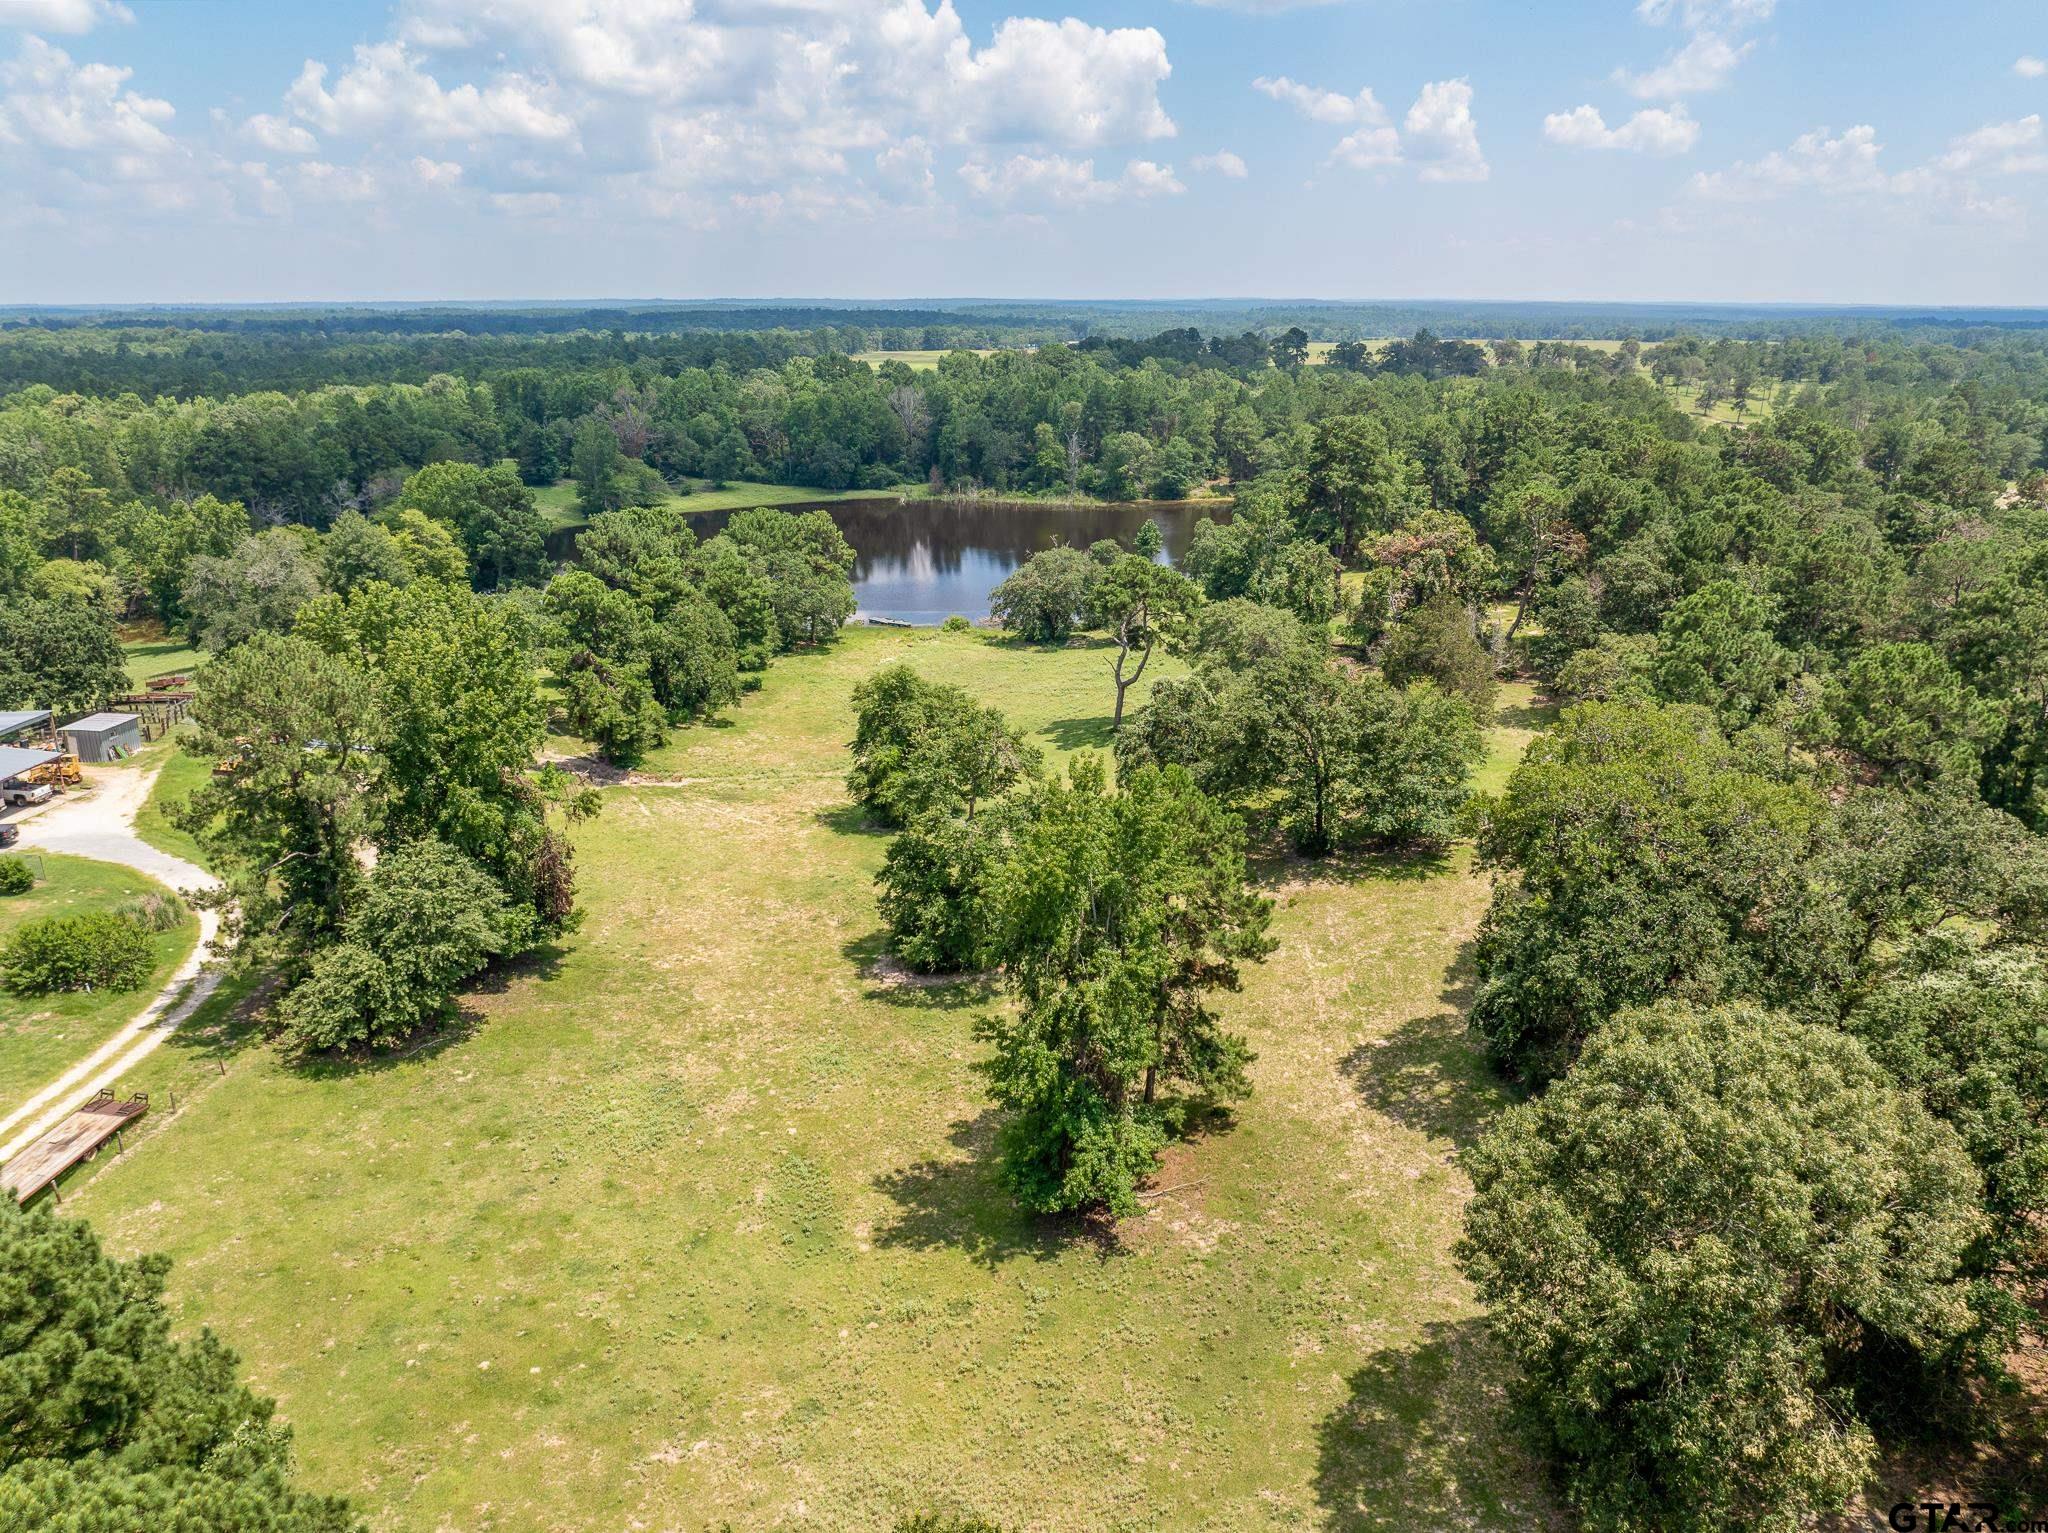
104 736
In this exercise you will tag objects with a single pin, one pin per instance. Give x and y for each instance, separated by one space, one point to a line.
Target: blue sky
1795 150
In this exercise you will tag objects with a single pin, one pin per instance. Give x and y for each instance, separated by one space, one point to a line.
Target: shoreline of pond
922 559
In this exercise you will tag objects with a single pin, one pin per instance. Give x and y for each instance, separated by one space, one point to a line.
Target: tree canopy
1119 911
113 1424
1686 1240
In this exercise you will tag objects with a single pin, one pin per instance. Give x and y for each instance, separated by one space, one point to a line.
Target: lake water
921 561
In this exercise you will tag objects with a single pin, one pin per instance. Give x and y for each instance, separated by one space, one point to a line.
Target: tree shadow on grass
886 979
852 820
1003 639
1277 863
1428 1074
1423 1439
1537 716
459 1022
1089 734
1979 1444
958 1205
230 1020
458 1025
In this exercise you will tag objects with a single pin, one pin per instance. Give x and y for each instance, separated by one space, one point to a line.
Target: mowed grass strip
41 1036
180 775
695 1219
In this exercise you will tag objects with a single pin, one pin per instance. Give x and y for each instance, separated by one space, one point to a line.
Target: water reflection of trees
924 556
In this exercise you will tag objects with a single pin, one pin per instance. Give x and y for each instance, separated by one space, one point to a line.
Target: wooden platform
73 1140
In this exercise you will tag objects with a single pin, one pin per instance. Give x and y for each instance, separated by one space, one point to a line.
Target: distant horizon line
980 301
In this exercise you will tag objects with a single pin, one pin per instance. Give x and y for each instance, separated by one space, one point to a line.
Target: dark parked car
9 834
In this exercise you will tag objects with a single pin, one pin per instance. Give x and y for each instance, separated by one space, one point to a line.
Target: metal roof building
14 760
104 736
22 721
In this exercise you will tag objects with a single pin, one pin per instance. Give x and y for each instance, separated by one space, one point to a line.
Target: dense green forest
1767 950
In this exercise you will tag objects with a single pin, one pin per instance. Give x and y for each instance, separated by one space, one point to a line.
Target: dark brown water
920 561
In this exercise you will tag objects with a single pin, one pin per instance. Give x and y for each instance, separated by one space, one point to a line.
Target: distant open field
923 361
1686 397
709 1196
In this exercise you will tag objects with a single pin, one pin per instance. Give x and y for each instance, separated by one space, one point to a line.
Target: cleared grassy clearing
1686 397
557 502
41 1035
174 784
160 654
1062 696
744 497
1519 716
694 1220
921 360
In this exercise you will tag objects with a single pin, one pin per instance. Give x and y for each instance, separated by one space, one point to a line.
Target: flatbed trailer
77 1138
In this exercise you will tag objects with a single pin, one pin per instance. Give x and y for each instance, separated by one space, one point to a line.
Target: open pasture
695 1219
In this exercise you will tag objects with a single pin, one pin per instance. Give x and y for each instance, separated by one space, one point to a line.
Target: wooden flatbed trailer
77 1138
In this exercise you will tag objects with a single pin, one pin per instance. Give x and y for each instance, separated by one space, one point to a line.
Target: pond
921 561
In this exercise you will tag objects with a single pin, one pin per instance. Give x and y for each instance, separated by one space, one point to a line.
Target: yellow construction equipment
62 773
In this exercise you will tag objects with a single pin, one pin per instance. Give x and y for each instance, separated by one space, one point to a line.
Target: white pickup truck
16 792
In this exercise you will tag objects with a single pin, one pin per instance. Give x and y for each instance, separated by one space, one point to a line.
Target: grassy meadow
155 653
43 1035
557 502
923 360
1686 397
694 1219
180 775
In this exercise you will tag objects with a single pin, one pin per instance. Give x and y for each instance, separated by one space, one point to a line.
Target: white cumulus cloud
384 90
685 107
279 135
1947 186
47 99
907 166
2006 148
323 182
436 172
2029 68
846 65
70 17
1714 45
1442 135
1814 162
1222 163
1654 130
1319 105
1369 148
1703 64
1062 181
1062 82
